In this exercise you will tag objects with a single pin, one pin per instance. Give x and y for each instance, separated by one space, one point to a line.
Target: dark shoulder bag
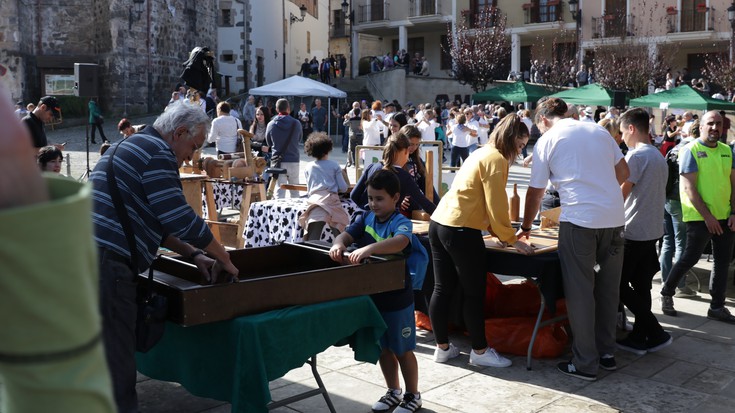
152 307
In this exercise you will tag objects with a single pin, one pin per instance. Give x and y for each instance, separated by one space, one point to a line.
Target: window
308 42
446 58
227 56
225 18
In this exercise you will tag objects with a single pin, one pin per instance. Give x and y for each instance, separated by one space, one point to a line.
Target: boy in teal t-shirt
380 231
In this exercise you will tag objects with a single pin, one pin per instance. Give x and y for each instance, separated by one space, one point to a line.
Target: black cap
19 103
52 104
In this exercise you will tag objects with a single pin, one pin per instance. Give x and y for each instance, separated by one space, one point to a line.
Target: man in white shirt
427 125
587 115
474 124
483 130
587 168
688 122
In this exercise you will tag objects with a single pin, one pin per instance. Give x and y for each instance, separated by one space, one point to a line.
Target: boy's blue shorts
400 336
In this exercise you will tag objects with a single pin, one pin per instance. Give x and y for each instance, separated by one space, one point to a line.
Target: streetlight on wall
731 17
577 16
350 16
293 18
138 8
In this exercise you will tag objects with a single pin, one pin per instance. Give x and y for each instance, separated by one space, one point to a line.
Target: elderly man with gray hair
138 206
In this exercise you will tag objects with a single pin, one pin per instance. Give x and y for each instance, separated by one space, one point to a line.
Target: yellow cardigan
477 198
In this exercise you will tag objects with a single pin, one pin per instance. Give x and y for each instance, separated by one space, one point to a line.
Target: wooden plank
539 244
429 179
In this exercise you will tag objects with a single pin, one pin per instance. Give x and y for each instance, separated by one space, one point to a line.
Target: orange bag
512 335
422 321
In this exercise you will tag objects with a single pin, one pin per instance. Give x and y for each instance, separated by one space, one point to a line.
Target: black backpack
672 184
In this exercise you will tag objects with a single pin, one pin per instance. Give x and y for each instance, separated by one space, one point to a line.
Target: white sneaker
442 356
490 358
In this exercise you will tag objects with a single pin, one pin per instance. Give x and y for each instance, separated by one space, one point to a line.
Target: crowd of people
621 189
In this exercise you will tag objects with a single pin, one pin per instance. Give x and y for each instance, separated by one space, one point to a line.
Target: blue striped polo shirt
147 174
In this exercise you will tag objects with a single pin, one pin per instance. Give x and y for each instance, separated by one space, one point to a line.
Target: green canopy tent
512 92
592 94
682 97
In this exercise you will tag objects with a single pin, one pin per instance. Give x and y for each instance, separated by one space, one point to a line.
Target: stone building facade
139 46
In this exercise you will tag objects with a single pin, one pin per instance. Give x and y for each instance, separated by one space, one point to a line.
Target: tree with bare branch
720 71
479 51
561 63
625 62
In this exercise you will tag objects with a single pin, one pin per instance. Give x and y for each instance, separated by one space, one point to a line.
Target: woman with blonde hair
613 127
477 201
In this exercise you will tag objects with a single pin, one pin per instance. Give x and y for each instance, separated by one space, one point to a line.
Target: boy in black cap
47 109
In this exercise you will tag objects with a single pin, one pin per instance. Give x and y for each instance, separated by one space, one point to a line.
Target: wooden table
192 186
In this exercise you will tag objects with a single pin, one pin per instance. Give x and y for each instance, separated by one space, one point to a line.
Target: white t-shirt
461 137
371 132
483 130
687 127
224 133
579 158
474 125
381 127
427 130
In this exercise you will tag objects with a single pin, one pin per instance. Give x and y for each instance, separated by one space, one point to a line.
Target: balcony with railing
339 31
473 18
373 11
697 19
421 8
537 12
612 25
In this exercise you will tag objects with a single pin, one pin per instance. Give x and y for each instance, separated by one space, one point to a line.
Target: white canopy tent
302 86
298 86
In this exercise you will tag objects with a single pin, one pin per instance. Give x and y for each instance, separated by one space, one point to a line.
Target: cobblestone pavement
75 164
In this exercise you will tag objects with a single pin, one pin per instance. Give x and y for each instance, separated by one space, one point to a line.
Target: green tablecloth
234 360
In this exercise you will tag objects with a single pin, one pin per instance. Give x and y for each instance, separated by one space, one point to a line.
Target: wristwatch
195 253
525 229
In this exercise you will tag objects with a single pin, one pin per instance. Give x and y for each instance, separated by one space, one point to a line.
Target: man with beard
707 198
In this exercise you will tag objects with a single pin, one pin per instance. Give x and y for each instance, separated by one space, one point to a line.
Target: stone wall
395 84
140 56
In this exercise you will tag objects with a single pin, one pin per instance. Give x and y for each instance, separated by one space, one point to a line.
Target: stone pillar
515 53
355 54
402 37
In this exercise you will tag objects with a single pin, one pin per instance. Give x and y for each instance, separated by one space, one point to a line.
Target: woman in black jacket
395 156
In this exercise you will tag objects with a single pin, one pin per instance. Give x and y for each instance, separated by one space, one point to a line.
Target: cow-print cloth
275 221
225 196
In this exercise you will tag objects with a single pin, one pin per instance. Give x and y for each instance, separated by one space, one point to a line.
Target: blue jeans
697 238
675 238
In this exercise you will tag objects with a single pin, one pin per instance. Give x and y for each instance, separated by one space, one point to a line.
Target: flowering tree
479 51
625 62
720 71
558 68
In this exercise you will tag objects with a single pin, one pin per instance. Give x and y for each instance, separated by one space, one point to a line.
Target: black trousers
459 262
697 238
118 293
640 264
94 126
459 153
